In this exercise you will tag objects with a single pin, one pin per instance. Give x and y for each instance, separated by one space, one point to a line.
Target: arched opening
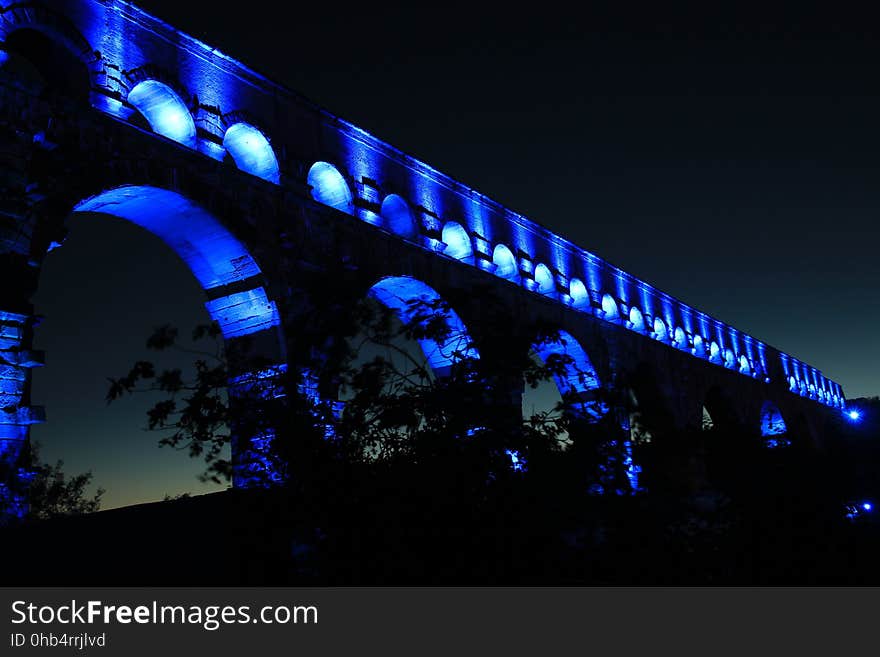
397 216
699 346
164 110
580 297
610 311
410 347
729 359
744 366
773 427
636 320
505 263
680 338
329 187
99 318
251 151
714 353
792 384
59 68
458 242
402 294
544 282
573 373
660 331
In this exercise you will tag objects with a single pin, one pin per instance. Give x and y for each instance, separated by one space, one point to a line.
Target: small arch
505 263
544 282
680 338
329 187
699 346
729 359
610 311
792 384
580 297
661 333
400 293
251 151
745 367
714 352
458 242
636 319
398 216
164 110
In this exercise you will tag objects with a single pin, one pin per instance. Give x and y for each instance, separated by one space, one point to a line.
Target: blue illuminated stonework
236 160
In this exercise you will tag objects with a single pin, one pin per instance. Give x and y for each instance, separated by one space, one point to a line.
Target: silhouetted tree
48 490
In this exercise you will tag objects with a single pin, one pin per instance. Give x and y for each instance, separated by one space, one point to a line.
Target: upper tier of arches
205 104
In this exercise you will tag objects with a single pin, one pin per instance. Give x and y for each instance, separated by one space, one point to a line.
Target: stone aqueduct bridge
104 108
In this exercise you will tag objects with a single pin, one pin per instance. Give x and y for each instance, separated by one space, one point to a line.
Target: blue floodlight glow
867 506
397 216
576 377
636 319
457 241
163 109
213 254
660 331
609 308
251 151
714 352
680 338
580 298
772 423
517 462
397 293
854 415
505 263
329 187
244 313
544 283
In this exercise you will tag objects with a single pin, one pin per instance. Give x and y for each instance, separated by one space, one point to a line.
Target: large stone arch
55 47
573 373
232 280
237 294
403 295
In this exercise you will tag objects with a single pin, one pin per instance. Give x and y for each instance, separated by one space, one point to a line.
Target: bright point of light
867 506
853 415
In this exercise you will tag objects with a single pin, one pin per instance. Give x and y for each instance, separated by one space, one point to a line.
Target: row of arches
165 107
330 188
576 379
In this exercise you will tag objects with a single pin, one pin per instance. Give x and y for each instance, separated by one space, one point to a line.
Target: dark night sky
730 162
